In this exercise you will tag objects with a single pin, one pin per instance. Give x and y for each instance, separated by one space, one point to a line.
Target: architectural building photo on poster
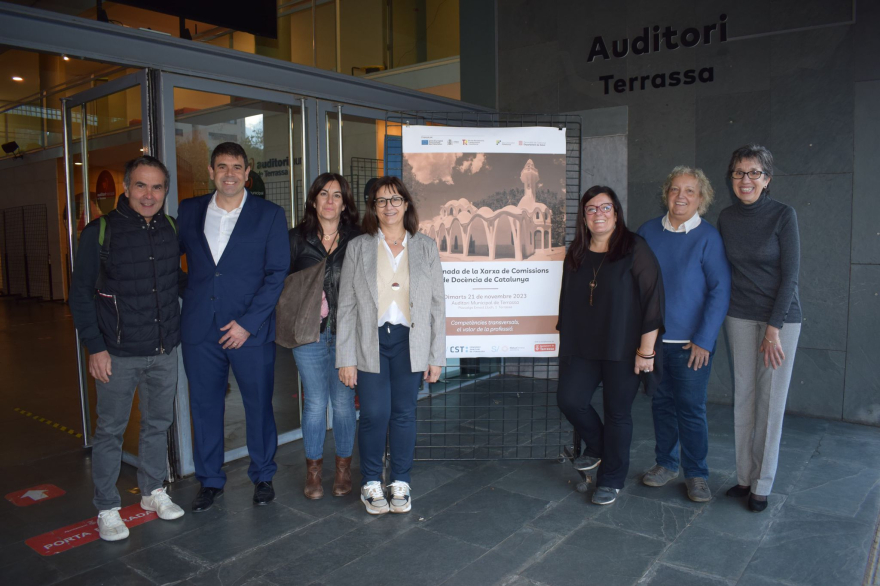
493 199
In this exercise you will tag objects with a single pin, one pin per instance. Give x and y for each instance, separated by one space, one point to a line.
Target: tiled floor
484 523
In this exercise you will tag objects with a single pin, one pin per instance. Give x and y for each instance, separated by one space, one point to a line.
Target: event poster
493 199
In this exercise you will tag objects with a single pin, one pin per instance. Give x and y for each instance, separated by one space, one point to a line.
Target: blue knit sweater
696 277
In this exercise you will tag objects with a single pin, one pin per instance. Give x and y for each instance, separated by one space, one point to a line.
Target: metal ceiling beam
40 30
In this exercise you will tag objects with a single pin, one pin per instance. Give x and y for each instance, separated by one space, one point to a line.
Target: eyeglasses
753 175
604 208
396 201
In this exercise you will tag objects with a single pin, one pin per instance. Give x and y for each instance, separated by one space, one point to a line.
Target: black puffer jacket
308 251
135 310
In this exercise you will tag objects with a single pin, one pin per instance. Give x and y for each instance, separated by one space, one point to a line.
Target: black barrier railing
25 263
495 408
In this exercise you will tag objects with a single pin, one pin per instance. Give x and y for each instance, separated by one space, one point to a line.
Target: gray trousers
758 400
155 378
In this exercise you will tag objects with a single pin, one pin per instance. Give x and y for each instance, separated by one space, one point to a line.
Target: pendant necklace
593 284
327 237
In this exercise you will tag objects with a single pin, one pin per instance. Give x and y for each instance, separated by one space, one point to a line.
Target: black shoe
205 499
738 491
585 462
263 492
755 505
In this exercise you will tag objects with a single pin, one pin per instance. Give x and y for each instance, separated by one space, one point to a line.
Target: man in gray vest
124 300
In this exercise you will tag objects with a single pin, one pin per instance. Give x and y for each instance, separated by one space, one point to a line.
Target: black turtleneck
763 247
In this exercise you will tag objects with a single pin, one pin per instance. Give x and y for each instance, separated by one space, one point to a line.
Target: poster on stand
493 199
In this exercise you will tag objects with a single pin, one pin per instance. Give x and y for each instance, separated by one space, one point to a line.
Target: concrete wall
802 78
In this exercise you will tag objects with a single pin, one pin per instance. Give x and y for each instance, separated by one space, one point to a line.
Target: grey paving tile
848 489
805 547
241 531
487 517
165 563
595 551
663 575
259 560
339 552
420 557
789 469
731 516
647 517
112 574
850 449
543 479
509 556
711 552
30 570
565 516
864 432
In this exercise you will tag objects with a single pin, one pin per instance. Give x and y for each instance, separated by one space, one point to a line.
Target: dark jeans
578 379
155 378
679 408
388 405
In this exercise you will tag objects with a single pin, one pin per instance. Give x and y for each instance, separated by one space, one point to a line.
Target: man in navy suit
237 255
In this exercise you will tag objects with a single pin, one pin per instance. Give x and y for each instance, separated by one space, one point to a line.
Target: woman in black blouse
610 315
329 223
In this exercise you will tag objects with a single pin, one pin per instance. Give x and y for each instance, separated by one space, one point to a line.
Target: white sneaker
160 502
401 502
110 525
373 498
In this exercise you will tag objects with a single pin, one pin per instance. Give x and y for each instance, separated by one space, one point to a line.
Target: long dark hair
370 225
310 226
621 241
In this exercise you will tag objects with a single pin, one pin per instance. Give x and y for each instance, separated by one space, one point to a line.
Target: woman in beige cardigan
391 332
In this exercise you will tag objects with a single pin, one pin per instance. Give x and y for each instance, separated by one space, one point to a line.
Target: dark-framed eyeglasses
396 201
605 208
754 175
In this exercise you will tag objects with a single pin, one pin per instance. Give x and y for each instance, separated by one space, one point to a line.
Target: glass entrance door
200 114
103 129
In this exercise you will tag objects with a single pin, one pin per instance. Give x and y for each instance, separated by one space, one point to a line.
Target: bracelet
769 340
645 356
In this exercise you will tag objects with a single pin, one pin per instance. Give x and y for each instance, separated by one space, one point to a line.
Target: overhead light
77 163
17 78
65 57
142 150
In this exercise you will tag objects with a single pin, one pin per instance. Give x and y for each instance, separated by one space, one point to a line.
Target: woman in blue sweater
696 277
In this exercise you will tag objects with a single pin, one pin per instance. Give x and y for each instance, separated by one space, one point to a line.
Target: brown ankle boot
342 482
313 489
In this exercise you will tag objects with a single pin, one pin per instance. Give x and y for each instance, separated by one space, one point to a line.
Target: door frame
79 100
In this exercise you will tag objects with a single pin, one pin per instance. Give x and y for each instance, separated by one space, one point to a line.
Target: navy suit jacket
247 282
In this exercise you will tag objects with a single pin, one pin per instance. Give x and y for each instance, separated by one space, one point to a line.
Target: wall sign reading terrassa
652 42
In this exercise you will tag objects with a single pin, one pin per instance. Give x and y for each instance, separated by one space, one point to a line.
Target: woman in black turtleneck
764 319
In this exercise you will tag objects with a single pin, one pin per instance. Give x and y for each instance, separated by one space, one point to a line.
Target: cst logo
457 349
494 348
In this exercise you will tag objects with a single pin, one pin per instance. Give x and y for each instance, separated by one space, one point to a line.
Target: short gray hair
752 151
147 161
706 192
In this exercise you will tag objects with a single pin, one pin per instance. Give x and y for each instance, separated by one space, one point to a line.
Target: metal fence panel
493 408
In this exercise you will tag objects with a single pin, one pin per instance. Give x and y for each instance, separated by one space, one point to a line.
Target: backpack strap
104 243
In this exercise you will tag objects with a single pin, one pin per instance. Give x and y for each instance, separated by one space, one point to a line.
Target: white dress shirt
393 315
219 225
685 226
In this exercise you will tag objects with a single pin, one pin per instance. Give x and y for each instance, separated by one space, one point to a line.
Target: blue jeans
317 367
388 407
679 408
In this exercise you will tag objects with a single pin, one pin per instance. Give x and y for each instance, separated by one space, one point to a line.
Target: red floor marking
34 495
84 532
